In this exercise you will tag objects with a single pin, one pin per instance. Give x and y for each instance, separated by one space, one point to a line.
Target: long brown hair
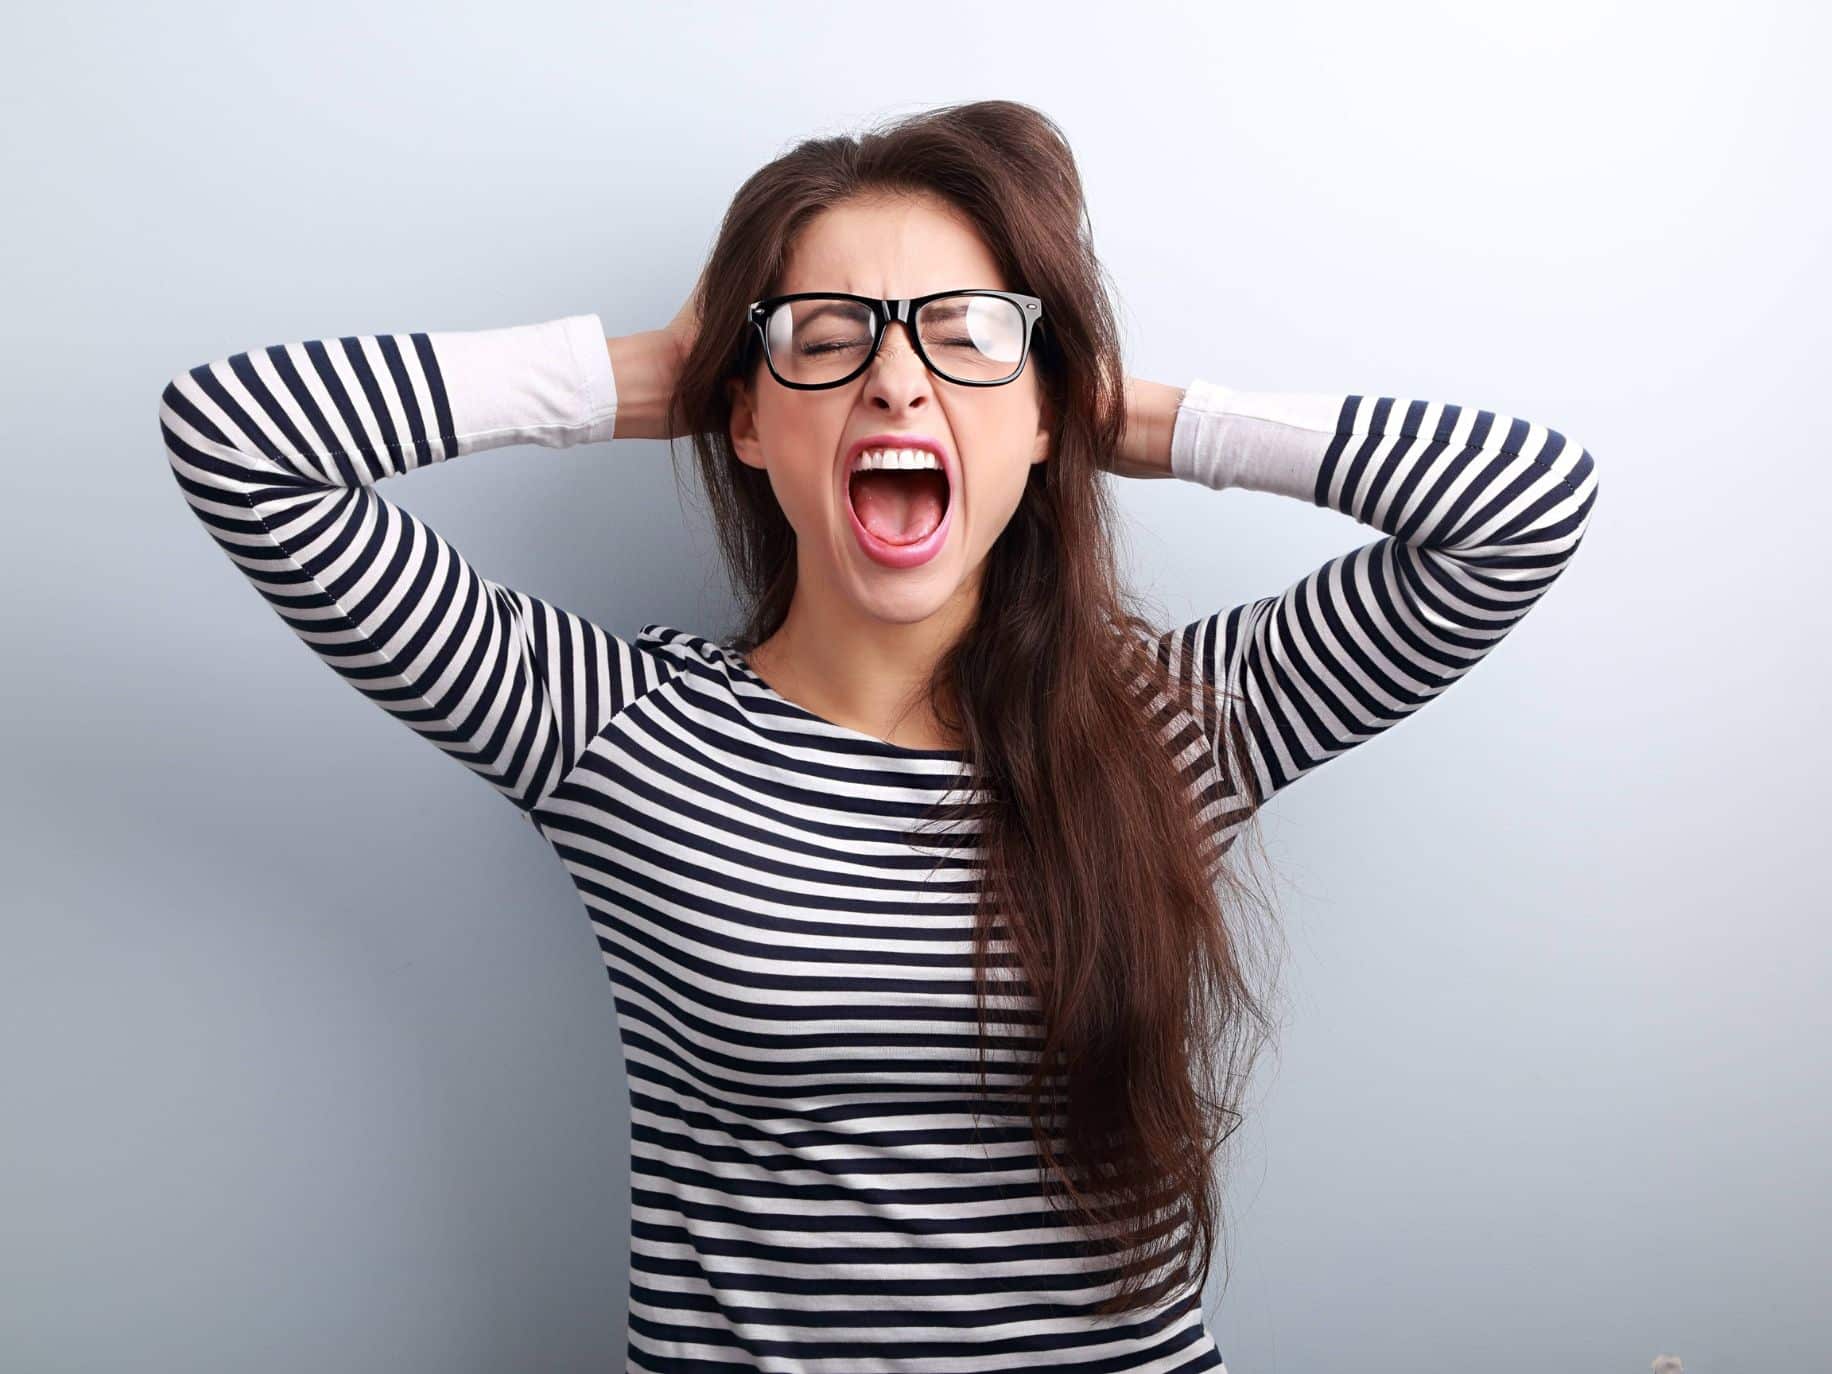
1094 853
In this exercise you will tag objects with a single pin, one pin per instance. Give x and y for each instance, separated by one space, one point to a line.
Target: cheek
799 446
993 492
995 484
801 482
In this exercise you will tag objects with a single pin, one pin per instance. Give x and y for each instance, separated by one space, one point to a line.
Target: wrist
645 366
1151 416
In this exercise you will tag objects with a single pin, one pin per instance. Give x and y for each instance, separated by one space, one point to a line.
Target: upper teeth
895 458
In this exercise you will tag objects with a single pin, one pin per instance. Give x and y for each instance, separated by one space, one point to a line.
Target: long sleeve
277 452
1481 512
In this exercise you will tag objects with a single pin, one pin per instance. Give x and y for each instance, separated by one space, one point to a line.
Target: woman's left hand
1151 415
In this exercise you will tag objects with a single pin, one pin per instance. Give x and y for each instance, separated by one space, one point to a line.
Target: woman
931 981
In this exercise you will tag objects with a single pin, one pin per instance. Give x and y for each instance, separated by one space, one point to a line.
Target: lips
882 550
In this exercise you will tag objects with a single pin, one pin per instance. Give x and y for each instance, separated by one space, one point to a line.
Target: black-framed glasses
817 339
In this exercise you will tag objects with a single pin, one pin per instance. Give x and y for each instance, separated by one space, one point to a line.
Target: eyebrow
831 308
947 311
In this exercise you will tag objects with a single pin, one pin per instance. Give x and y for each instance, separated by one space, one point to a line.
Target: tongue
899 507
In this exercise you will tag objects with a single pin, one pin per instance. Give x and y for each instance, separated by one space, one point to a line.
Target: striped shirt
818 1182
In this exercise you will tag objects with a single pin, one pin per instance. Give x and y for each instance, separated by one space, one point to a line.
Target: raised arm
1481 513
277 452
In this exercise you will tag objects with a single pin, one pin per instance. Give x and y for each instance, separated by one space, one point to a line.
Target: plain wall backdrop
309 1061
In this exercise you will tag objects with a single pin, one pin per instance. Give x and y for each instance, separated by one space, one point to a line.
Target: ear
1046 422
744 436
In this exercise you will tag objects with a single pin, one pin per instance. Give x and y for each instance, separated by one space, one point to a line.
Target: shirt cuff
548 384
1261 440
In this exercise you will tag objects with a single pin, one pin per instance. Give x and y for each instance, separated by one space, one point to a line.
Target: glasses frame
884 314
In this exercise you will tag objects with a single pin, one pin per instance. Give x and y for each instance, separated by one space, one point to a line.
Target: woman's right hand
646 366
684 329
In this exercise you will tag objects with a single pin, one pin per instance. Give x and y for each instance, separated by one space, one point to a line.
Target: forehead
885 247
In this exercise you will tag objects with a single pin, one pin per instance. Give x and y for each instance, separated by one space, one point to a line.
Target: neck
859 671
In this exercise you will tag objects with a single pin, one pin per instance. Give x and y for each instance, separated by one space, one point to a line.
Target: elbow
1579 477
1584 479
175 421
179 395
194 445
213 435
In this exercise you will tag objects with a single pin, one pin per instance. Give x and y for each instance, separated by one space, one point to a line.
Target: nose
897 377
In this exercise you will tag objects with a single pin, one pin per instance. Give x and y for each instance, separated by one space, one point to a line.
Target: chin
907 603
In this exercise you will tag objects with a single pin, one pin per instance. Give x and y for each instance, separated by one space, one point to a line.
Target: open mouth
900 498
899 506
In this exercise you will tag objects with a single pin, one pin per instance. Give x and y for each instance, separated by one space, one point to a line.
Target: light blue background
309 1061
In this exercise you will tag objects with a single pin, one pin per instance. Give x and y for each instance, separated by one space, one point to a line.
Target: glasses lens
819 340
973 338
968 338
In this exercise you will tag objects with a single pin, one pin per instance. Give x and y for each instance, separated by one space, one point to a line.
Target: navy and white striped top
817 1184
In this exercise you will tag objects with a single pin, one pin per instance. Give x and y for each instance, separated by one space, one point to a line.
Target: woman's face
990 435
